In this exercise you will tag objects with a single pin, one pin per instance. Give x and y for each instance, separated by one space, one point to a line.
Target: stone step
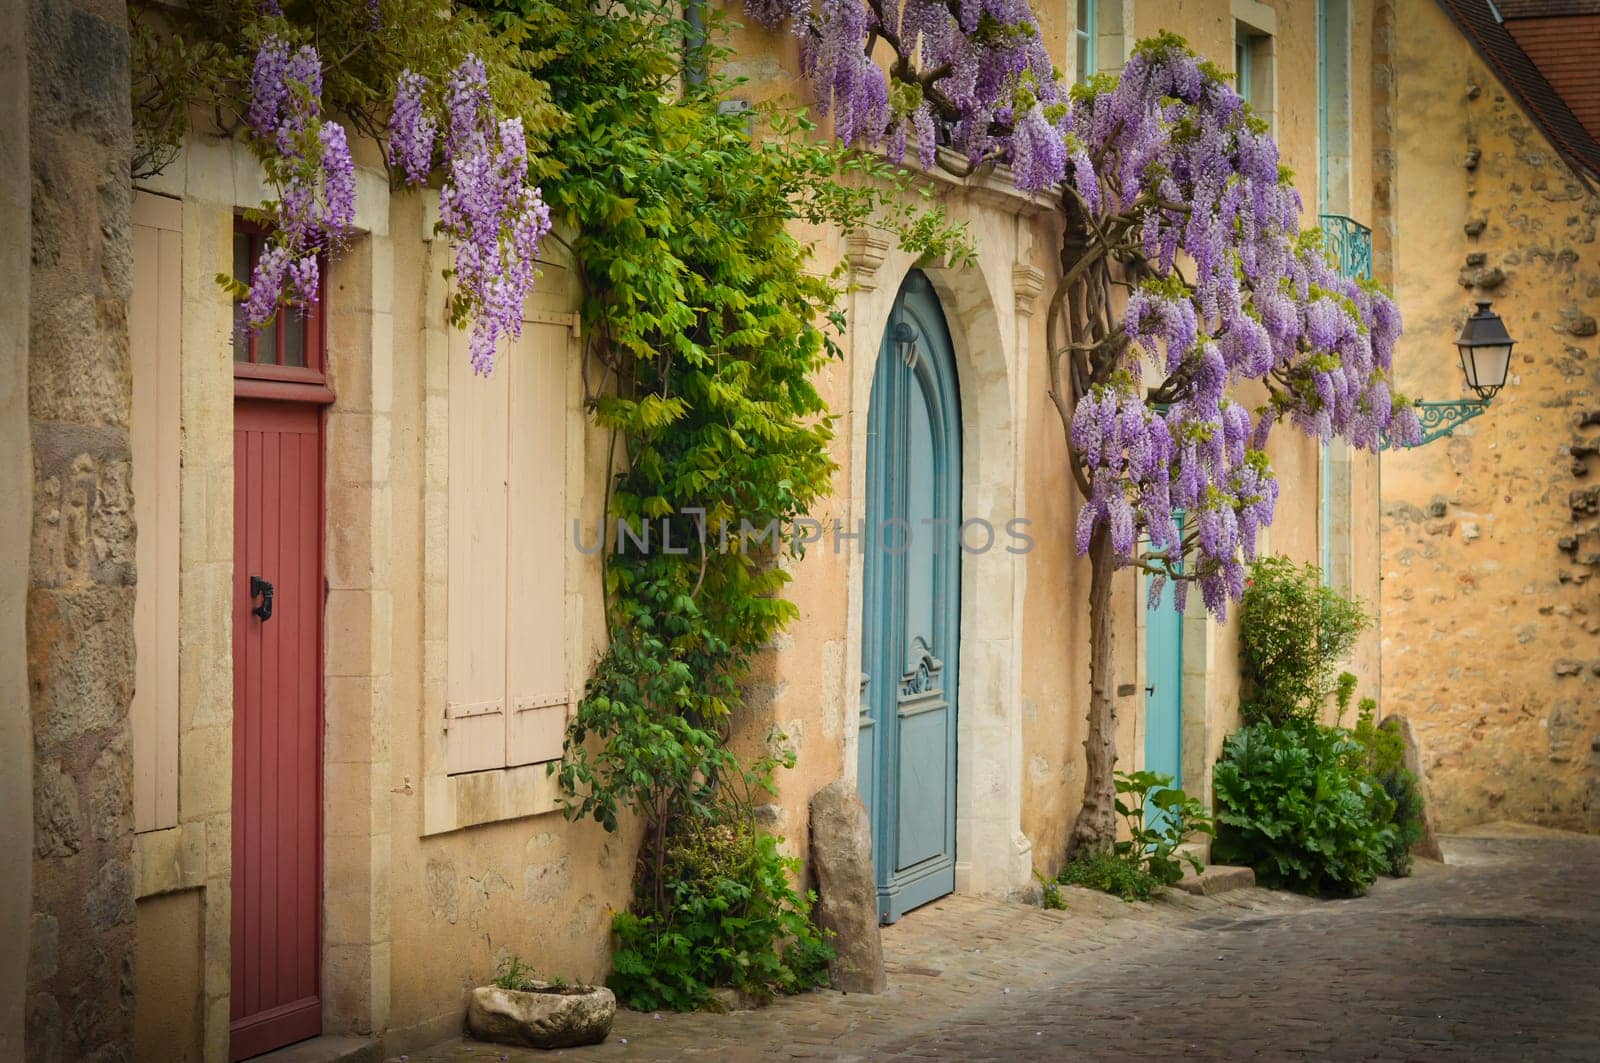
1218 878
327 1048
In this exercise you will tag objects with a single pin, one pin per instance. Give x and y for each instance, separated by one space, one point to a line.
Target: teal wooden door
911 606
1163 691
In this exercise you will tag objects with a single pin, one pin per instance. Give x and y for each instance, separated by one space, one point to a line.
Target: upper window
290 347
1241 62
1253 55
1087 36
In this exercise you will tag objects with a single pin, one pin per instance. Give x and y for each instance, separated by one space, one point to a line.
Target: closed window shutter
536 664
475 709
154 320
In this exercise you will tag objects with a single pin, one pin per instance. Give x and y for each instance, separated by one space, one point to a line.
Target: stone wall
16 485
80 599
1491 538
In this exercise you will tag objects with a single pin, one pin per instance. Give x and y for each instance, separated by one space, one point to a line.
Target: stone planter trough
542 1014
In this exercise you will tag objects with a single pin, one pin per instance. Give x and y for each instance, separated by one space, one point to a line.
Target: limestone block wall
1491 542
79 612
16 483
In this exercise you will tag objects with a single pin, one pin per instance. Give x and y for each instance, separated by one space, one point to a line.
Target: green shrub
1298 804
733 919
1110 873
1293 632
1050 893
1386 759
1159 817
1344 691
1406 825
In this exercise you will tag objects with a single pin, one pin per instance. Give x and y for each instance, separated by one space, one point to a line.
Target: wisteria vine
495 220
1172 192
307 161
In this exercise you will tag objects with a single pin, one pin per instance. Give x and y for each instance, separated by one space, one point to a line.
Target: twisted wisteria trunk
1096 827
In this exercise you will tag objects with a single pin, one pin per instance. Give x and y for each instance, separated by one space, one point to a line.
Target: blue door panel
924 789
1163 669
911 623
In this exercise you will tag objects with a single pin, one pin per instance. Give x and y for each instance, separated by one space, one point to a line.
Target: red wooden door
277 725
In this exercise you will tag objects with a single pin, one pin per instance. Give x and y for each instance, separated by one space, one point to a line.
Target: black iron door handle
260 588
1150 691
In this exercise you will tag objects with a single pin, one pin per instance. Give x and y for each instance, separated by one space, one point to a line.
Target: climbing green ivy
708 321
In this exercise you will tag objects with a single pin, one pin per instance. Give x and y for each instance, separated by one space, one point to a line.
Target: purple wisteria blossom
412 131
1222 286
307 159
495 220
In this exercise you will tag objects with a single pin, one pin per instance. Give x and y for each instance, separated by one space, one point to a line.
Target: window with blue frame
1087 35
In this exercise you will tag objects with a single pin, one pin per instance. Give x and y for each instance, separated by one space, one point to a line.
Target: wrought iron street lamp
1485 348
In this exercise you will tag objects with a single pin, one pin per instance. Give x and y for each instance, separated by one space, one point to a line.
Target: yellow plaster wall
168 1019
1491 626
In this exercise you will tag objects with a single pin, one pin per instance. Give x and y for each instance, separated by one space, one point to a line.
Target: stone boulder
847 905
1428 847
543 1015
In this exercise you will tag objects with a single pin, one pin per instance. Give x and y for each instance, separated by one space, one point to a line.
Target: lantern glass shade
1485 352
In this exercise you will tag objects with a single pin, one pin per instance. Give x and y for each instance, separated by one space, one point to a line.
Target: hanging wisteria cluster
494 219
978 67
1172 192
307 160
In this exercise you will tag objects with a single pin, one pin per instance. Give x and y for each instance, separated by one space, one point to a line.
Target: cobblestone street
1491 956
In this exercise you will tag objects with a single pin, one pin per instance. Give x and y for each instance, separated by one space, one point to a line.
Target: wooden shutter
475 716
536 671
153 327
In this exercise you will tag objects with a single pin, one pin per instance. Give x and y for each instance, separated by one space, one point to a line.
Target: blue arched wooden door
911 605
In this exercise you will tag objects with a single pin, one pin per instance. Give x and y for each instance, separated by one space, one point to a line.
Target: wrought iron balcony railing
1350 244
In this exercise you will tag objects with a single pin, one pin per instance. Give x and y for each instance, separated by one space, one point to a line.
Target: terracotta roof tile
1514 9
1566 49
1480 22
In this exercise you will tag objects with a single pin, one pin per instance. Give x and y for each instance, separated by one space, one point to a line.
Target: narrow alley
1488 957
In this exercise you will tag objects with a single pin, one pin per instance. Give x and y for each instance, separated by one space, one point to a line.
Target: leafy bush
1110 873
1386 757
1293 632
1406 825
1159 817
1343 692
1298 804
732 919
1050 893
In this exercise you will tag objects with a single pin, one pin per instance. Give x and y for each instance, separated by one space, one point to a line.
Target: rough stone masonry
79 612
